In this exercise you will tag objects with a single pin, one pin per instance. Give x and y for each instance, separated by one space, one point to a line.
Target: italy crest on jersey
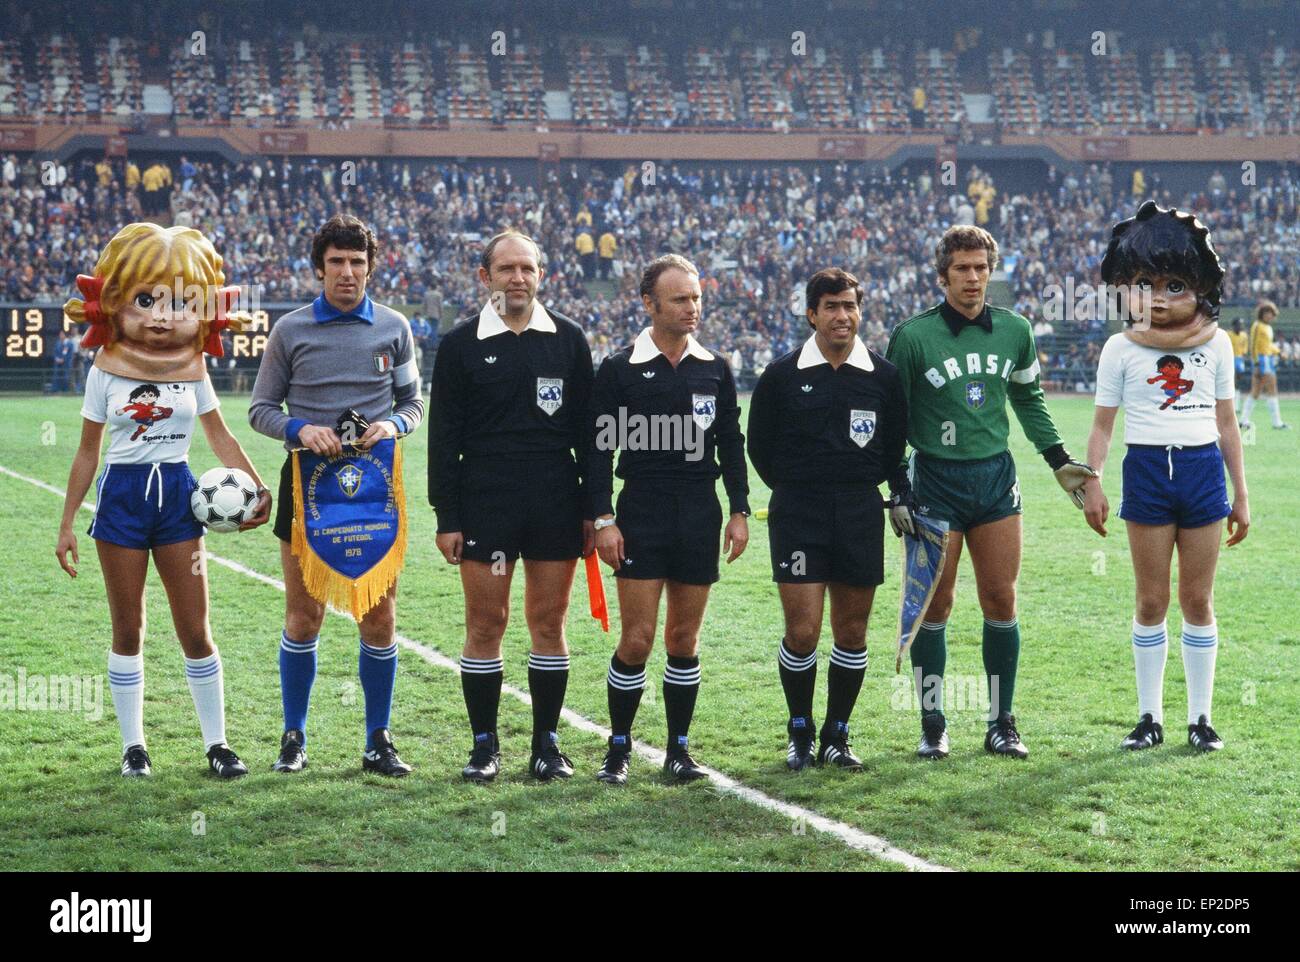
862 426
975 394
704 408
383 363
550 393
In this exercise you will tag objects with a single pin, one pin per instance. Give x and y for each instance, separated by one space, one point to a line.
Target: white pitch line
854 838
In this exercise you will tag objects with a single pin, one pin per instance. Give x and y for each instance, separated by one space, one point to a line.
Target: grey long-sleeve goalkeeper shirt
319 362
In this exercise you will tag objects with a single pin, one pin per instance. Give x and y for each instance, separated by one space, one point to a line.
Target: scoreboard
31 332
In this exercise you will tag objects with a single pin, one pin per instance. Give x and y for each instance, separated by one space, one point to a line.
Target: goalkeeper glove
1071 475
901 506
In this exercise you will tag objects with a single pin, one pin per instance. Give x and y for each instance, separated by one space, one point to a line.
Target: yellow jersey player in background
1237 337
1263 358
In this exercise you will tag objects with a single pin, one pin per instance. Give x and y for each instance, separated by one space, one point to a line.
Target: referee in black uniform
511 388
827 424
670 406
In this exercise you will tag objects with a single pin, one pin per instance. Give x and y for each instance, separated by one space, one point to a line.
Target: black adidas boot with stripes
1147 734
1003 739
382 758
135 763
548 762
680 765
225 763
293 757
801 752
613 771
484 759
1202 737
934 737
835 749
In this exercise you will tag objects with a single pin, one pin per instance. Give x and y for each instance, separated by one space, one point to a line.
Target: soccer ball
224 499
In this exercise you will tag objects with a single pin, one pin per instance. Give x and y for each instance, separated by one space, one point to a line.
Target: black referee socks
548 678
681 686
624 683
843 682
798 678
480 680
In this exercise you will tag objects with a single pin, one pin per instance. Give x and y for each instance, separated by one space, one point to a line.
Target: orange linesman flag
596 592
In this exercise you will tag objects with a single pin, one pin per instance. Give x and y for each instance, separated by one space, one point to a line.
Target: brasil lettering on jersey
975 364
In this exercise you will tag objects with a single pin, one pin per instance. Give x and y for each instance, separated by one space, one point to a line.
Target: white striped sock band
1200 641
624 682
125 679
845 658
298 647
934 626
481 666
203 667
1002 624
792 662
380 654
682 676
548 662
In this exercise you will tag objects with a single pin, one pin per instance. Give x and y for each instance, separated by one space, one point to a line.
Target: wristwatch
602 523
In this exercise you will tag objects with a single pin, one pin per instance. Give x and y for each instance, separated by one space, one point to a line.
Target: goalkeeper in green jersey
961 362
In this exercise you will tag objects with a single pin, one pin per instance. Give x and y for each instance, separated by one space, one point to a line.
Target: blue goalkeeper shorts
145 505
1174 485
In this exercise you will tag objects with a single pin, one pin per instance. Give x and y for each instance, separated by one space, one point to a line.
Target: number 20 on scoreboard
25 331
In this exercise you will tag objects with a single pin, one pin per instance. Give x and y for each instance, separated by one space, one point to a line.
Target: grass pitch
1077 803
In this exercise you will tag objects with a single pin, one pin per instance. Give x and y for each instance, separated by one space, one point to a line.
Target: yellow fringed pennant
332 587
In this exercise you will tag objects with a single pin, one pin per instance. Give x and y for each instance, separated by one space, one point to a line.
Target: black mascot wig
1165 241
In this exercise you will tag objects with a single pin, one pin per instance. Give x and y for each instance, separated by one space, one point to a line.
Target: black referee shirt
818 424
635 389
507 396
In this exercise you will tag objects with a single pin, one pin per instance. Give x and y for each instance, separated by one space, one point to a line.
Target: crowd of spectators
757 232
72 66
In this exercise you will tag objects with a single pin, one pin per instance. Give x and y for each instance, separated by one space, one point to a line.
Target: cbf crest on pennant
550 393
975 394
383 363
349 479
704 408
862 427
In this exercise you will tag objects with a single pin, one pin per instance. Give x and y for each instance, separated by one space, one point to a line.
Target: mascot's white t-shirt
1168 396
147 421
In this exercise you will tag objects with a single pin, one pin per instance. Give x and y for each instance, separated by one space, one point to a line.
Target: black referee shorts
827 533
283 527
511 508
673 533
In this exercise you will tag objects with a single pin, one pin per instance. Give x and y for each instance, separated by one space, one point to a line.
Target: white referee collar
644 348
490 323
811 355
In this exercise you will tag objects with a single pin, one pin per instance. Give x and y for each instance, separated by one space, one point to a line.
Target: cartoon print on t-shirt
144 409
1174 384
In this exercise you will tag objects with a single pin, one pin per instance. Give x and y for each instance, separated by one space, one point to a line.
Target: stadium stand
522 90
470 84
649 94
591 92
883 107
756 227
1069 101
